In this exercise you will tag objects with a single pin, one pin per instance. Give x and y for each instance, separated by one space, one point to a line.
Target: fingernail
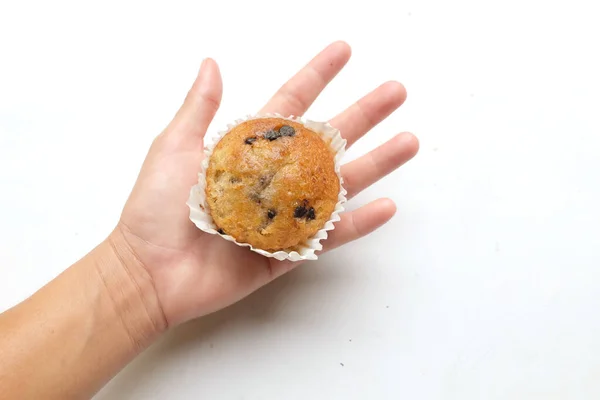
202 65
204 75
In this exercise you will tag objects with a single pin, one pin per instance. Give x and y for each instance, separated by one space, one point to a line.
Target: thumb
201 103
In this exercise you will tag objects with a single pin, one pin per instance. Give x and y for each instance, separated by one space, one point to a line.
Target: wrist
130 290
79 330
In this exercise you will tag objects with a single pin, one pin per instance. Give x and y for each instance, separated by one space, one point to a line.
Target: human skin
156 270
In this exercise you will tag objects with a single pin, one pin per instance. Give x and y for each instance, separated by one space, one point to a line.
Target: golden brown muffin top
271 183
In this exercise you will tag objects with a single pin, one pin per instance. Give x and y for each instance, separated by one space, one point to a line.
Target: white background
484 286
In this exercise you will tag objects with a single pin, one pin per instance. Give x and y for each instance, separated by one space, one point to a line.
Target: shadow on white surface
205 343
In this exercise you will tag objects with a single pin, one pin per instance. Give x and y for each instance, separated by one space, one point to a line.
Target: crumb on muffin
271 183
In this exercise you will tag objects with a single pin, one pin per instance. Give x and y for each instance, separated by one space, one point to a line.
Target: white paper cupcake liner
201 217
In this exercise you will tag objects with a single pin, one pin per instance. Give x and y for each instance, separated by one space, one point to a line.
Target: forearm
77 332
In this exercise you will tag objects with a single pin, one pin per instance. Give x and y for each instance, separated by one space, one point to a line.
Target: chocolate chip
272 135
300 212
271 214
250 140
287 130
221 231
311 214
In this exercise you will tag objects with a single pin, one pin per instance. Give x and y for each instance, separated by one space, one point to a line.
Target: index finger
298 94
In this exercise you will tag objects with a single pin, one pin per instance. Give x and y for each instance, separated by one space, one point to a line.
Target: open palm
195 273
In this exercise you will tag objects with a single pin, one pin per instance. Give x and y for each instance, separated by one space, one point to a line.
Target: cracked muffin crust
271 183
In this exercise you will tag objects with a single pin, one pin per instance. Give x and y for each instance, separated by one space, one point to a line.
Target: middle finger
369 111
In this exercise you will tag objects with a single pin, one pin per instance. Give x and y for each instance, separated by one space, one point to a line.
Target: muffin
272 183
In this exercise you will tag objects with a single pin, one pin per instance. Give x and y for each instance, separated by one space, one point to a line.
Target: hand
195 273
